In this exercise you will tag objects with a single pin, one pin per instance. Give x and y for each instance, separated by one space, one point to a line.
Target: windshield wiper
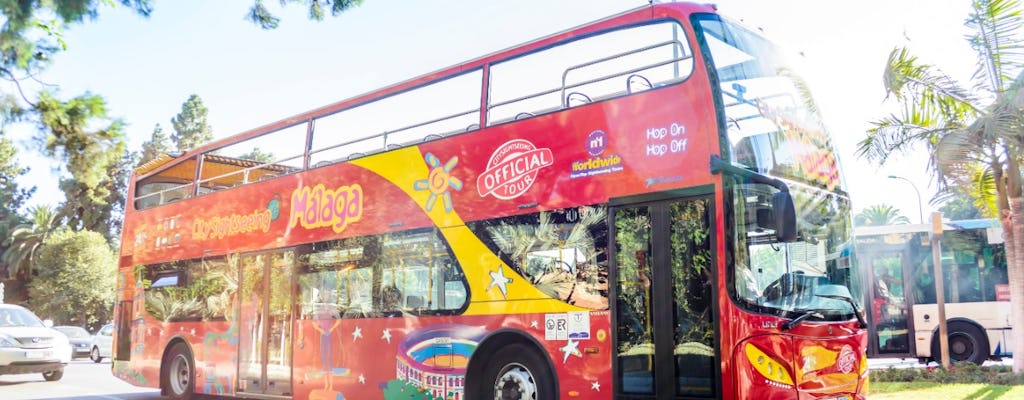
806 314
849 300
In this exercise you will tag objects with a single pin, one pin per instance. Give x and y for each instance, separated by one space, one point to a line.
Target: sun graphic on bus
439 181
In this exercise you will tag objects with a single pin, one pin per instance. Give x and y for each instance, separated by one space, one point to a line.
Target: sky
248 77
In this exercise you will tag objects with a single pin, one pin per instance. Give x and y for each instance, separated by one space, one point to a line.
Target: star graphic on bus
570 348
386 335
498 279
357 333
439 181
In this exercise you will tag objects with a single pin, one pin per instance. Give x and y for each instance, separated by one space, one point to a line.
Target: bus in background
642 207
903 319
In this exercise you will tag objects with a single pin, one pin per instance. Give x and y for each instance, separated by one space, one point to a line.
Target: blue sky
247 77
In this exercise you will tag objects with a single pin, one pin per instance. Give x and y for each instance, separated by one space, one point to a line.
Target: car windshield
73 332
14 317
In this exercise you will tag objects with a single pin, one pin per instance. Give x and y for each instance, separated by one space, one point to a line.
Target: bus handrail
565 87
565 74
384 135
245 171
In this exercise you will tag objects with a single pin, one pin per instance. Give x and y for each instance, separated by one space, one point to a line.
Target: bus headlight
773 371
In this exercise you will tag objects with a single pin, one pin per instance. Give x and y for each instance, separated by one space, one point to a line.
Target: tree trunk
1013 229
1014 239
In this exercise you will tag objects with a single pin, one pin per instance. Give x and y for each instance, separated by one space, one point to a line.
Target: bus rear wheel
966 343
179 372
516 372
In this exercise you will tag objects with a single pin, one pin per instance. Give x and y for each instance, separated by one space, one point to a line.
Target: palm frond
996 37
957 148
910 81
879 215
898 134
983 190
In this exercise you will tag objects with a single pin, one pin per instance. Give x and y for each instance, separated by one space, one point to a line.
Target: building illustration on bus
643 207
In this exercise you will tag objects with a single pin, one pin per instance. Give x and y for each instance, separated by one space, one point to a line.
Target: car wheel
179 372
94 355
52 376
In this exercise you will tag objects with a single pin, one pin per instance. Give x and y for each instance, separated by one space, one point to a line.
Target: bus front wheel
179 372
516 372
966 343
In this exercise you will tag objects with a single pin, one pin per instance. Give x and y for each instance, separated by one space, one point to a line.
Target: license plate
37 354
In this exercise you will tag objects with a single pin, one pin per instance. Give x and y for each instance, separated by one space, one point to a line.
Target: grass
952 391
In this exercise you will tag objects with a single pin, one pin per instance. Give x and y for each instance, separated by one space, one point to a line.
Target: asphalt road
83 380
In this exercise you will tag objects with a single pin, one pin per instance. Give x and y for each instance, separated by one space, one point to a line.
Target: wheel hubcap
961 348
180 374
515 382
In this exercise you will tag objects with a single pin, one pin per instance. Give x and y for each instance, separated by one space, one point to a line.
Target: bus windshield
775 277
773 128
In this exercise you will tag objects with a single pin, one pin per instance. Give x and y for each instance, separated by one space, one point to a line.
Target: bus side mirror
785 216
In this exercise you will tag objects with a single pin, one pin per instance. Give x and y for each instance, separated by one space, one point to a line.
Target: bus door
665 339
265 323
890 334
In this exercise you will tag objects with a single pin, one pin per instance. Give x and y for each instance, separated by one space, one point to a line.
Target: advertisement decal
512 169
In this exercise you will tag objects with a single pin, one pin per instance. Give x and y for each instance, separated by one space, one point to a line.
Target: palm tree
878 215
975 136
26 238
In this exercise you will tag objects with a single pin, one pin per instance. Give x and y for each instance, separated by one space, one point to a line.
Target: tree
258 155
157 145
25 240
91 145
102 215
960 207
76 281
261 16
967 130
879 215
190 126
12 195
32 33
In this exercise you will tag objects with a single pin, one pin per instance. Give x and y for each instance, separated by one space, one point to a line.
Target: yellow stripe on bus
494 287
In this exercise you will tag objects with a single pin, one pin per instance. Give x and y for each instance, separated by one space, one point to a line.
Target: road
83 380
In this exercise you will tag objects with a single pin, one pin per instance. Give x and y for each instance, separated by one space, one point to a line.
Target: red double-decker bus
643 207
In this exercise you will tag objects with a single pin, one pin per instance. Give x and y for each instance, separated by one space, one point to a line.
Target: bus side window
421 276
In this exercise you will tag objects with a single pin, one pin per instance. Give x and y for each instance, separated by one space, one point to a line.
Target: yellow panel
491 282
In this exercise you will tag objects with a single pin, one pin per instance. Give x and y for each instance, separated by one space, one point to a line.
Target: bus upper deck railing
674 43
364 146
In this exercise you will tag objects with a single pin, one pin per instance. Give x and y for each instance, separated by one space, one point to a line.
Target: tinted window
400 273
191 290
563 252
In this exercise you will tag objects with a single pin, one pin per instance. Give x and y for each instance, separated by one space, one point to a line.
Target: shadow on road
119 396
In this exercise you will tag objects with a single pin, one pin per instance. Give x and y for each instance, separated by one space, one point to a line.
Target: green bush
957 373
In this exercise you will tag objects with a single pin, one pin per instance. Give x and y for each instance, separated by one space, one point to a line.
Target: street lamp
920 214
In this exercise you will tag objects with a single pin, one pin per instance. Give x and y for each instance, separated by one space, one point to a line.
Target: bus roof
913 228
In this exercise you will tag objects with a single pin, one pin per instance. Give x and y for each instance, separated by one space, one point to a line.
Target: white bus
902 311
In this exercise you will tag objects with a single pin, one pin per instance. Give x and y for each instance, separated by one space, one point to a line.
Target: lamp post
920 213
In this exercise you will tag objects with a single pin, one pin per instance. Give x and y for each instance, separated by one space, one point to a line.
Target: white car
102 343
29 345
